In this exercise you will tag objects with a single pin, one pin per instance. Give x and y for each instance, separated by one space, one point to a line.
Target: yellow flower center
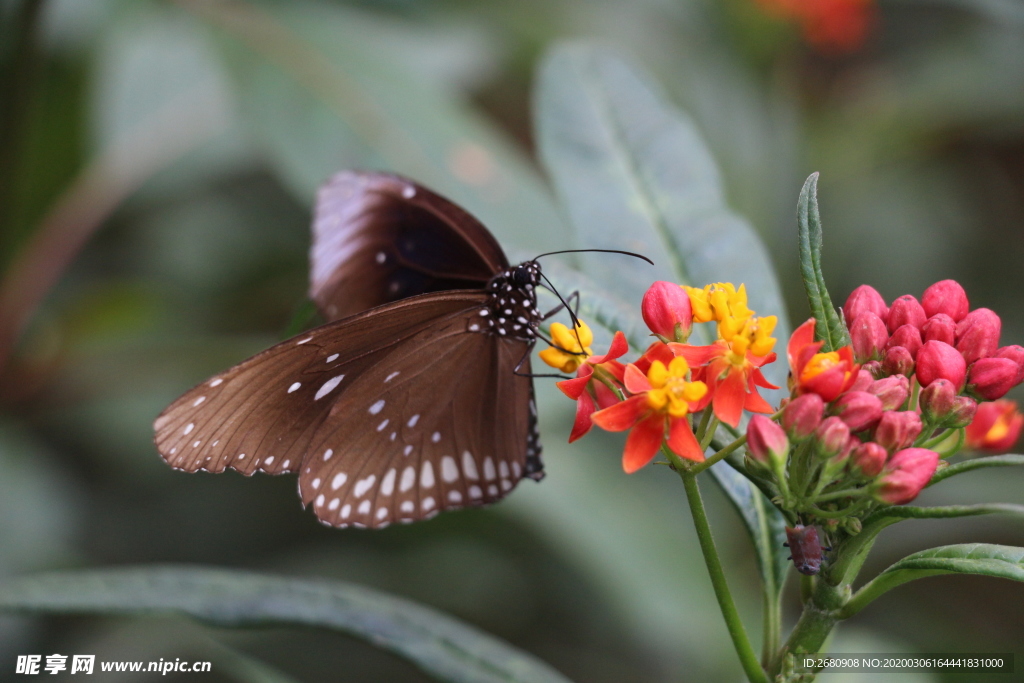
571 348
1000 428
726 304
670 391
819 363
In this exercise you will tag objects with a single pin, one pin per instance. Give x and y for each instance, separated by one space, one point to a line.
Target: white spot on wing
503 469
489 472
196 444
328 387
285 464
413 420
377 407
407 506
387 484
382 425
392 376
339 480
363 485
333 505
198 401
449 470
408 479
303 341
407 450
381 257
189 427
364 507
331 358
216 382
316 483
408 191
435 437
455 496
294 387
346 510
328 453
427 475
516 470
269 461
320 500
469 465
492 490
428 503
475 492
505 484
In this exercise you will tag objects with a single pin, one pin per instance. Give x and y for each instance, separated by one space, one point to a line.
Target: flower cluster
654 396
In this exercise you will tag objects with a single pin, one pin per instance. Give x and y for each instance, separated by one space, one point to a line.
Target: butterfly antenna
575 320
603 251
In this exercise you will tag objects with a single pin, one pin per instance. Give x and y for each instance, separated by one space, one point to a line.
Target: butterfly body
417 402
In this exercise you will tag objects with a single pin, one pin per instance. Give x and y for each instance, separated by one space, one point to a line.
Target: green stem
820 615
961 436
772 617
702 428
845 493
720 455
709 434
748 658
934 441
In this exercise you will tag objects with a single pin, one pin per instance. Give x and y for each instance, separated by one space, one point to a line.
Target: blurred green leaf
984 559
247 669
634 174
976 464
829 327
764 523
439 644
319 96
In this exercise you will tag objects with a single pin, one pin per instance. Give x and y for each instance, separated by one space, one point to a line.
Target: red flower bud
898 429
858 409
766 441
996 427
864 299
802 415
875 368
905 311
1016 354
946 297
939 327
863 381
907 336
906 473
898 361
937 400
893 391
833 437
991 378
964 410
868 335
938 360
868 459
977 335
666 310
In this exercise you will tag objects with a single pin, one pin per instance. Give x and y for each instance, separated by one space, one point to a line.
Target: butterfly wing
379 238
261 414
443 422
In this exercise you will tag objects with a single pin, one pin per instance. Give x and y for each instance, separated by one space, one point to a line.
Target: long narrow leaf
976 464
829 328
438 644
984 559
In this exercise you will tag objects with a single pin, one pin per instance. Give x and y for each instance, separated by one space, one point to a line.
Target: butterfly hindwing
379 238
261 414
429 428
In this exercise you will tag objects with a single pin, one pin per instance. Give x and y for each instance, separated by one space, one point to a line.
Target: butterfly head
511 308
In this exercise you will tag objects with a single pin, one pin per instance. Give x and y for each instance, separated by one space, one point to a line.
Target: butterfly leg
574 309
532 374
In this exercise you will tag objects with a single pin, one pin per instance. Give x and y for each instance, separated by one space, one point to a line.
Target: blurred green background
180 143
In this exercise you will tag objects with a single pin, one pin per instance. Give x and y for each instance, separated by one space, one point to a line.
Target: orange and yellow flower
660 404
590 392
826 374
995 428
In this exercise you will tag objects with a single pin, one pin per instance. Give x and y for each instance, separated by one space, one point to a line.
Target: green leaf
830 327
764 523
633 173
320 94
976 464
984 559
439 644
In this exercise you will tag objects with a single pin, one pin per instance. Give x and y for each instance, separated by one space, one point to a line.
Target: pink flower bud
938 360
991 378
995 428
833 437
892 391
946 297
905 311
907 336
937 400
802 415
964 410
898 361
863 381
868 335
906 473
898 429
864 299
868 459
939 327
1016 354
977 335
858 409
766 441
875 368
667 312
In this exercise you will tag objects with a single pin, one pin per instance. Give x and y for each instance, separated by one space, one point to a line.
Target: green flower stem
935 441
709 434
748 658
702 428
607 379
961 436
820 615
976 463
845 493
772 617
720 455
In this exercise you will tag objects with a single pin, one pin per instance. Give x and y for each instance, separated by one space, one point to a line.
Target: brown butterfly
415 397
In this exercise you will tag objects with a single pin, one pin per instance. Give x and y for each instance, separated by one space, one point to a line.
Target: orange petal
755 403
636 382
618 347
622 415
730 394
683 442
584 409
643 443
574 388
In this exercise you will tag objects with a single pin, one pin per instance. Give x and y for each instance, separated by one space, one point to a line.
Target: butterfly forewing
441 423
379 238
263 413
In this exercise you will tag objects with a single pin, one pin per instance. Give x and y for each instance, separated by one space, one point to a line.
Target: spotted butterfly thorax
414 398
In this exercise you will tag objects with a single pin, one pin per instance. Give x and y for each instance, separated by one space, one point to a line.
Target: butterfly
416 395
